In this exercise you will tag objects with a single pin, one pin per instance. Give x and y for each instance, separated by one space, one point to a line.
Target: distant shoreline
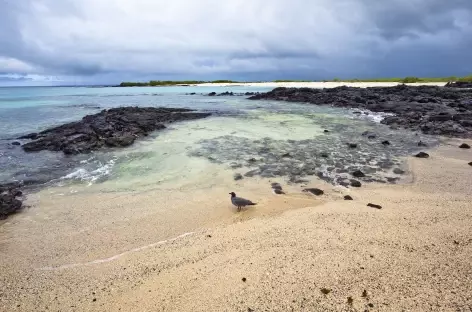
394 81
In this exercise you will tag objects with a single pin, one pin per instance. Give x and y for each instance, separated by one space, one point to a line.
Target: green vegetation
223 81
159 83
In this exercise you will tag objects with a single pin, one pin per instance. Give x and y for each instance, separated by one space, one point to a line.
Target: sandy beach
319 85
289 253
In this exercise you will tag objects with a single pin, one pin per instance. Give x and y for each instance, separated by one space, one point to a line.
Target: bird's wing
241 201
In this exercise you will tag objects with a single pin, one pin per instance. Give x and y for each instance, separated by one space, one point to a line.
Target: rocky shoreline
116 127
445 111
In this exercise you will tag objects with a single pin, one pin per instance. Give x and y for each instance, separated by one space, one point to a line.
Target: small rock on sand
465 146
237 176
348 197
422 155
386 143
374 206
314 191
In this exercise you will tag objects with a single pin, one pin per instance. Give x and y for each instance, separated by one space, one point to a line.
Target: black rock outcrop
116 127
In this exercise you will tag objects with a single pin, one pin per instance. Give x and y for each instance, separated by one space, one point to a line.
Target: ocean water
253 138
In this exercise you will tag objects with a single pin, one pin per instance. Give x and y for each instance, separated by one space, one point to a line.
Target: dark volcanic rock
238 176
459 84
358 174
422 155
470 164
374 206
386 143
465 146
431 110
314 191
15 143
9 204
352 145
348 197
212 94
116 127
398 171
355 183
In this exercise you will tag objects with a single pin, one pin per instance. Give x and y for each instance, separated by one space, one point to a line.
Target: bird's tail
252 204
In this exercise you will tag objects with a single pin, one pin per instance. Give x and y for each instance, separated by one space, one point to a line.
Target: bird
240 202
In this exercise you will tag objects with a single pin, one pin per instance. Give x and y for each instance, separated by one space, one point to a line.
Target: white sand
317 84
159 251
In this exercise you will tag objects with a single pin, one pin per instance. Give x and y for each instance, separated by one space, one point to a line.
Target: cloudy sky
108 41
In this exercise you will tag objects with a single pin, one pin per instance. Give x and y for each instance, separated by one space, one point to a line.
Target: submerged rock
9 203
116 127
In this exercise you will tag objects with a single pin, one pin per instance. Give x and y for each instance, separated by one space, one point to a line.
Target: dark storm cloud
299 39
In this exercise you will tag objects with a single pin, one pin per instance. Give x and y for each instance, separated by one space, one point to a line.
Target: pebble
374 206
325 290
314 191
422 155
348 197
355 183
465 146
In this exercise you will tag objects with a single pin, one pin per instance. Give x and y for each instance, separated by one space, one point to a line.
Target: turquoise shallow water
240 137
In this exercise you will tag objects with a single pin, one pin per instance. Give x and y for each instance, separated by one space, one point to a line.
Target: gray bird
240 202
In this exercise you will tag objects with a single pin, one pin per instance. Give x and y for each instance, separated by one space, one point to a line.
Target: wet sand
190 251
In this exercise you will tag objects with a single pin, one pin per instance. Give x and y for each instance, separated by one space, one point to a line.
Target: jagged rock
116 127
431 110
459 84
